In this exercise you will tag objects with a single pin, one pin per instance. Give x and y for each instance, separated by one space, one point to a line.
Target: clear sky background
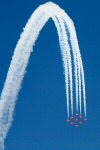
40 114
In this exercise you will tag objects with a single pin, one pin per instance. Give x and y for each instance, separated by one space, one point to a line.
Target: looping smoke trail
70 53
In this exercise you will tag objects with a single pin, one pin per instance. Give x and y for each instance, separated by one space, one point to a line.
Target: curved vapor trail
20 59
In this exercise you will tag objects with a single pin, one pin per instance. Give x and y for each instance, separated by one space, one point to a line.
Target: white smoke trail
64 58
76 55
21 57
65 53
77 61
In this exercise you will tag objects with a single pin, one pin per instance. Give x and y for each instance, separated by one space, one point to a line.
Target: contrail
72 63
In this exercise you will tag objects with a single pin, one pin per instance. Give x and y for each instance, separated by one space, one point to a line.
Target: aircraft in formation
77 120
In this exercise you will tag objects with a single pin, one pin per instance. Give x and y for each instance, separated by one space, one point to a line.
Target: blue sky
40 114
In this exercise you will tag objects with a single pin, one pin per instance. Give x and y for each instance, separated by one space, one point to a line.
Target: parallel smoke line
70 53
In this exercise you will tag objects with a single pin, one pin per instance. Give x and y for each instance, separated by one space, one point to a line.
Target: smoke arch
68 43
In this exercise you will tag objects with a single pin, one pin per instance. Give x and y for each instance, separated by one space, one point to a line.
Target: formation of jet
77 120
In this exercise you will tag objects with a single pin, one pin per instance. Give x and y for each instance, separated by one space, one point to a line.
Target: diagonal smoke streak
21 57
